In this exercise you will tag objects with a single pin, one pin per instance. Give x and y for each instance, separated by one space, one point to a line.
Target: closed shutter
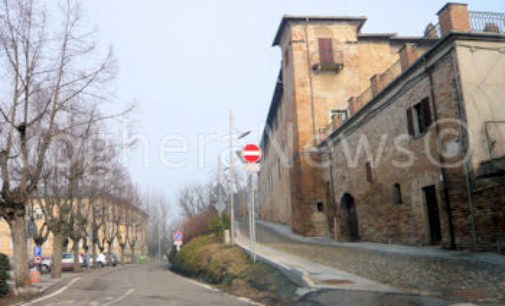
426 113
410 122
325 51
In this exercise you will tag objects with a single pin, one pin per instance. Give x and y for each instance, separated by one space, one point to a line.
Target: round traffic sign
251 153
37 259
177 236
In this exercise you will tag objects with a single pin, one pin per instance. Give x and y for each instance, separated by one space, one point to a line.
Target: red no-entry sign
251 153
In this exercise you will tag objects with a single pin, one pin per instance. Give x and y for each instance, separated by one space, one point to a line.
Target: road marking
54 293
120 298
250 302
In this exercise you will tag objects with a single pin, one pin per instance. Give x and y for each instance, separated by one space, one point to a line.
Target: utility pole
232 193
159 239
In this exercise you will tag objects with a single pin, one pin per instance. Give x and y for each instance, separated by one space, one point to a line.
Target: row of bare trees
52 144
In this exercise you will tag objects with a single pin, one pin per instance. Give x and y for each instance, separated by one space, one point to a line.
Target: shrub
4 274
196 225
217 224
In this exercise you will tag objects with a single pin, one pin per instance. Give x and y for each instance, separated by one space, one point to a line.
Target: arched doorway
349 218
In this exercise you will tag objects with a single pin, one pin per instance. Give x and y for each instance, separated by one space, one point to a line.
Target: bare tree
50 78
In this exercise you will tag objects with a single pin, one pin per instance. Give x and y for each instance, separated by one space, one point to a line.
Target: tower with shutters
325 60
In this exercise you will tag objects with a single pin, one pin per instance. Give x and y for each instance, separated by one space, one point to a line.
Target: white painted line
54 293
250 302
120 298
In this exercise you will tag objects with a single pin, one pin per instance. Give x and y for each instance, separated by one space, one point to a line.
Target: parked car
44 267
101 259
112 258
67 261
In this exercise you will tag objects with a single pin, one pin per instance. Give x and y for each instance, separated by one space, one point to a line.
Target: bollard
227 236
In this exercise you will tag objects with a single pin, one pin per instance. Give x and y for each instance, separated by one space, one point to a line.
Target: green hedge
4 274
218 224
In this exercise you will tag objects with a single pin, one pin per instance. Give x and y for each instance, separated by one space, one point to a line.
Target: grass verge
229 268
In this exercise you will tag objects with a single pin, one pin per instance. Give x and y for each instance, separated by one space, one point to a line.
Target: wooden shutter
368 168
426 113
325 51
410 122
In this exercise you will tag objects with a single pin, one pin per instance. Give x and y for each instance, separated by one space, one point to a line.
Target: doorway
430 196
350 218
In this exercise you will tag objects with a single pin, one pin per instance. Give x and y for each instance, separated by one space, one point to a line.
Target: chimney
408 55
375 84
352 105
454 17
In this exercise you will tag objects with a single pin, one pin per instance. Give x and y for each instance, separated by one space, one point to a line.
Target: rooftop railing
432 31
487 21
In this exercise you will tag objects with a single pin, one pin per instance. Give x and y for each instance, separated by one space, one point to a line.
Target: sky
186 64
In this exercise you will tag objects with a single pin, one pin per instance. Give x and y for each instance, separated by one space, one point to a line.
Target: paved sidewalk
312 275
428 251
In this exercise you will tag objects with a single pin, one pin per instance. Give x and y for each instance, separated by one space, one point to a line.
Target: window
419 118
286 57
341 113
368 169
397 194
325 51
320 206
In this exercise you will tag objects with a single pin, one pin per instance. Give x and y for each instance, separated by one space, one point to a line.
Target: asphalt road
146 284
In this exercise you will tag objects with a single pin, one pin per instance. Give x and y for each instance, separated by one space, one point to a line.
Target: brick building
404 146
325 61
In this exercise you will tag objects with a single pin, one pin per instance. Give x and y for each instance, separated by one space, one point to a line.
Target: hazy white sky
188 62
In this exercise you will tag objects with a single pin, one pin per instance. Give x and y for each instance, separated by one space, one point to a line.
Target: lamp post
232 175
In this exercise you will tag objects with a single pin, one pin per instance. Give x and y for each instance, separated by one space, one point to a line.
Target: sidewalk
461 275
311 275
428 251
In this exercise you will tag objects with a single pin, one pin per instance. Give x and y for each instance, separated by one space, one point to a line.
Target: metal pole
232 173
253 223
249 202
159 239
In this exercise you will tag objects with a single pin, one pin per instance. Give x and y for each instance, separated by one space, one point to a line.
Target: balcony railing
331 60
487 21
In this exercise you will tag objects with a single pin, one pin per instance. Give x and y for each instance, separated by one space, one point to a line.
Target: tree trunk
93 256
122 254
77 264
132 254
109 251
57 250
18 232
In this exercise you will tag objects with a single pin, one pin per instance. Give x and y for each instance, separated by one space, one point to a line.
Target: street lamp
232 173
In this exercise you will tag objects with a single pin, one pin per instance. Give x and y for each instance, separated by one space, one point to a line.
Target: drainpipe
332 199
311 94
441 157
469 188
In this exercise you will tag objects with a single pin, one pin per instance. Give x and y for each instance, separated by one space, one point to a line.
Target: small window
397 194
368 169
419 118
286 57
340 113
320 206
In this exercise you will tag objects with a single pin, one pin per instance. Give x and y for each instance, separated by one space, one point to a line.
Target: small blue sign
177 236
37 250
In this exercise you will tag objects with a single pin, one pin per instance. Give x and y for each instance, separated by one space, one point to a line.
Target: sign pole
252 233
